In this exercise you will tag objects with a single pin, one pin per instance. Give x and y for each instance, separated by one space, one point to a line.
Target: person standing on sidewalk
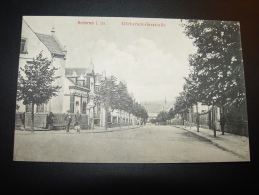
222 122
78 121
68 120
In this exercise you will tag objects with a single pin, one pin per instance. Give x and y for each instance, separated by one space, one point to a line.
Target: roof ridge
42 34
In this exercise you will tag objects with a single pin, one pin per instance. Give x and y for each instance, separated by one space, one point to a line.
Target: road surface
148 144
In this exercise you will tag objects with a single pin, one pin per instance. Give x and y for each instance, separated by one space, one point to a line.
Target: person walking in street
222 122
68 119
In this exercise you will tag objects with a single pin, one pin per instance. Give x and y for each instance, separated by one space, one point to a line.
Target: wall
57 101
34 47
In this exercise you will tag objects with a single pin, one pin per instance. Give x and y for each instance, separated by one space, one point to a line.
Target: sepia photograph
130 90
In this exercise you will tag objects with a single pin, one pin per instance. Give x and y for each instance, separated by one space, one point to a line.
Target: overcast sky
152 60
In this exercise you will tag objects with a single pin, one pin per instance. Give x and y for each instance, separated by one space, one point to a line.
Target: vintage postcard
130 90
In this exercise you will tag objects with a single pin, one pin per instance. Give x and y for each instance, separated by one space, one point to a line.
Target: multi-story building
78 84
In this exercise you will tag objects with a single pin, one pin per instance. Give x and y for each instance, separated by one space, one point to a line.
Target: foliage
36 86
170 114
140 111
181 104
162 117
217 65
116 96
153 121
35 83
107 94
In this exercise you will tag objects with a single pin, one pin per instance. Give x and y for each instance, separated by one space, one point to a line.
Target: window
84 108
23 46
28 107
77 107
88 83
40 108
92 86
72 103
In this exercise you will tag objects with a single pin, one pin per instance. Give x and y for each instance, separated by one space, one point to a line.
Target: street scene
130 90
146 144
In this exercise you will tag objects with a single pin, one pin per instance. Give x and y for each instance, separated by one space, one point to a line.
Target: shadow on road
194 136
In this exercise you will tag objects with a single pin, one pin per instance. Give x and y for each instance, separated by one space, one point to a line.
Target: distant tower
91 65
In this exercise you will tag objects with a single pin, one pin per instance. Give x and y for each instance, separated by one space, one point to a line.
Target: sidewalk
235 144
102 129
97 129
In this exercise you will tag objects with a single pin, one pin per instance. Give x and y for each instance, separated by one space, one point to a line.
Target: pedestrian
22 117
78 121
222 122
68 119
50 120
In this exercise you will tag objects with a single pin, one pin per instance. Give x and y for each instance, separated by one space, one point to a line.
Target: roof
157 106
78 84
78 71
51 43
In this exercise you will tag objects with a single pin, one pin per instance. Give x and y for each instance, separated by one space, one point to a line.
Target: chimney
64 50
52 31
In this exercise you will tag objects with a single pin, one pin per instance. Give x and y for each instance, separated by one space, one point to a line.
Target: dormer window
23 46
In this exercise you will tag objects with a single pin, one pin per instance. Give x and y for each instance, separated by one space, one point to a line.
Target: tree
181 105
192 95
107 95
170 114
121 98
218 61
140 112
162 117
35 83
129 105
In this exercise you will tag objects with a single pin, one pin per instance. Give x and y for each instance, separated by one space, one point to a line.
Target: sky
152 60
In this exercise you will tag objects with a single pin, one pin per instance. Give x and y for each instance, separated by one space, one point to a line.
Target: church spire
92 64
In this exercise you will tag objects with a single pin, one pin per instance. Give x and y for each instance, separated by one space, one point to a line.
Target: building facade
78 84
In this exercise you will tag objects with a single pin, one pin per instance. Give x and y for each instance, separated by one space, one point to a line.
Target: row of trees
217 75
116 96
35 87
216 71
163 116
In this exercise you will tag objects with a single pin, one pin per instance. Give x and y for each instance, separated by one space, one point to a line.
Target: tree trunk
106 118
120 119
213 121
32 118
128 120
197 117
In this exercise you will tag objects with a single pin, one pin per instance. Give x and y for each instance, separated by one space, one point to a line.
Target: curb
117 129
214 143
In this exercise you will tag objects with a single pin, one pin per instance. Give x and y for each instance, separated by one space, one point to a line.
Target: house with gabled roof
78 84
32 44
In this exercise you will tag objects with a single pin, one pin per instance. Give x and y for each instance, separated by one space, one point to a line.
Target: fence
19 120
236 120
41 120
